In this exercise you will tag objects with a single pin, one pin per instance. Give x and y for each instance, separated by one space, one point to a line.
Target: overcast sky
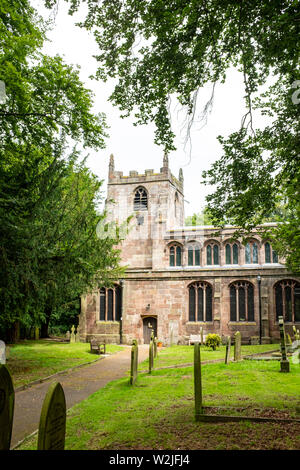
133 147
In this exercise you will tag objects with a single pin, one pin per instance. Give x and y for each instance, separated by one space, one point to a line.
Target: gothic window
200 302
241 301
140 202
232 254
270 254
110 304
193 255
287 300
251 253
175 255
212 254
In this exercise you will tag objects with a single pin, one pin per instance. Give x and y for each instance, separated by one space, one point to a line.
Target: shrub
213 341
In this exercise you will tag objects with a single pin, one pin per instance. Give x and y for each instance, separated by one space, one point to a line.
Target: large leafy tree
49 250
157 49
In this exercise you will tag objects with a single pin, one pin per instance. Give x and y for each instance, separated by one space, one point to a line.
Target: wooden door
149 324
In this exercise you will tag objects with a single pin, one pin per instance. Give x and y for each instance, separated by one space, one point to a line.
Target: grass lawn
31 360
158 412
185 354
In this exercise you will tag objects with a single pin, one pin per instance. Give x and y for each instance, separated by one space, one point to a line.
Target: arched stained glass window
208 254
228 254
140 200
287 300
231 254
175 255
212 254
193 255
241 301
235 253
251 253
200 302
270 254
110 304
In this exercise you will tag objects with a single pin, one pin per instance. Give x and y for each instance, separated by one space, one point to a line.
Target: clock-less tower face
153 202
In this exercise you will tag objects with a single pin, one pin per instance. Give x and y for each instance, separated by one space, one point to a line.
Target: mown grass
175 355
158 412
30 360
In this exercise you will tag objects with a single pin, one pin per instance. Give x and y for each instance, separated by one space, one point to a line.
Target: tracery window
175 255
110 304
212 254
270 254
231 253
140 202
200 302
193 255
251 253
287 300
241 301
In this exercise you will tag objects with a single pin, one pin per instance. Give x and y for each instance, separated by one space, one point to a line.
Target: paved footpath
77 384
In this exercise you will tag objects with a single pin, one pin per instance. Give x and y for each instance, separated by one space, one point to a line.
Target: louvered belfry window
140 200
200 301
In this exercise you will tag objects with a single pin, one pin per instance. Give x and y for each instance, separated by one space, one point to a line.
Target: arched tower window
175 255
200 302
110 304
140 202
241 301
287 300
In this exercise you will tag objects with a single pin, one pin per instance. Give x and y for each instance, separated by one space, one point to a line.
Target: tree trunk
45 326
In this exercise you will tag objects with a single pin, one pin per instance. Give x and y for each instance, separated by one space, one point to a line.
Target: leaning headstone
2 352
197 382
68 335
72 337
134 362
151 356
7 402
227 354
77 337
52 428
237 346
284 363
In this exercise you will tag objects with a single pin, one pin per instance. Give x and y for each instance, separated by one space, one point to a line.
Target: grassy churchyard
31 360
158 412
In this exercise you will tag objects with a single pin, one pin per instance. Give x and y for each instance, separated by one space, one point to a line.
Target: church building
181 278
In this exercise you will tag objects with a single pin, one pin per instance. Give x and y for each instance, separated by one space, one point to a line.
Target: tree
158 49
202 218
49 251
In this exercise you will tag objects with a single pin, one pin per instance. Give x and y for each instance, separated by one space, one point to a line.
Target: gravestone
227 354
72 337
77 337
237 346
7 403
197 382
2 352
52 427
134 362
151 356
284 363
68 335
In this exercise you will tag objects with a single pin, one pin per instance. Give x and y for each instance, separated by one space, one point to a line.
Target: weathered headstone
52 428
2 352
68 335
197 382
227 354
7 403
77 337
134 362
237 346
72 337
284 363
155 347
151 356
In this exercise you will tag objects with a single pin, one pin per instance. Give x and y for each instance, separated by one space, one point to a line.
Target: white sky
133 147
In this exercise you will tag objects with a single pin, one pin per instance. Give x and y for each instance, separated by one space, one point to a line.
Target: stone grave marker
284 363
134 362
7 403
227 354
2 352
197 382
52 427
68 335
151 356
237 346
72 337
77 337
